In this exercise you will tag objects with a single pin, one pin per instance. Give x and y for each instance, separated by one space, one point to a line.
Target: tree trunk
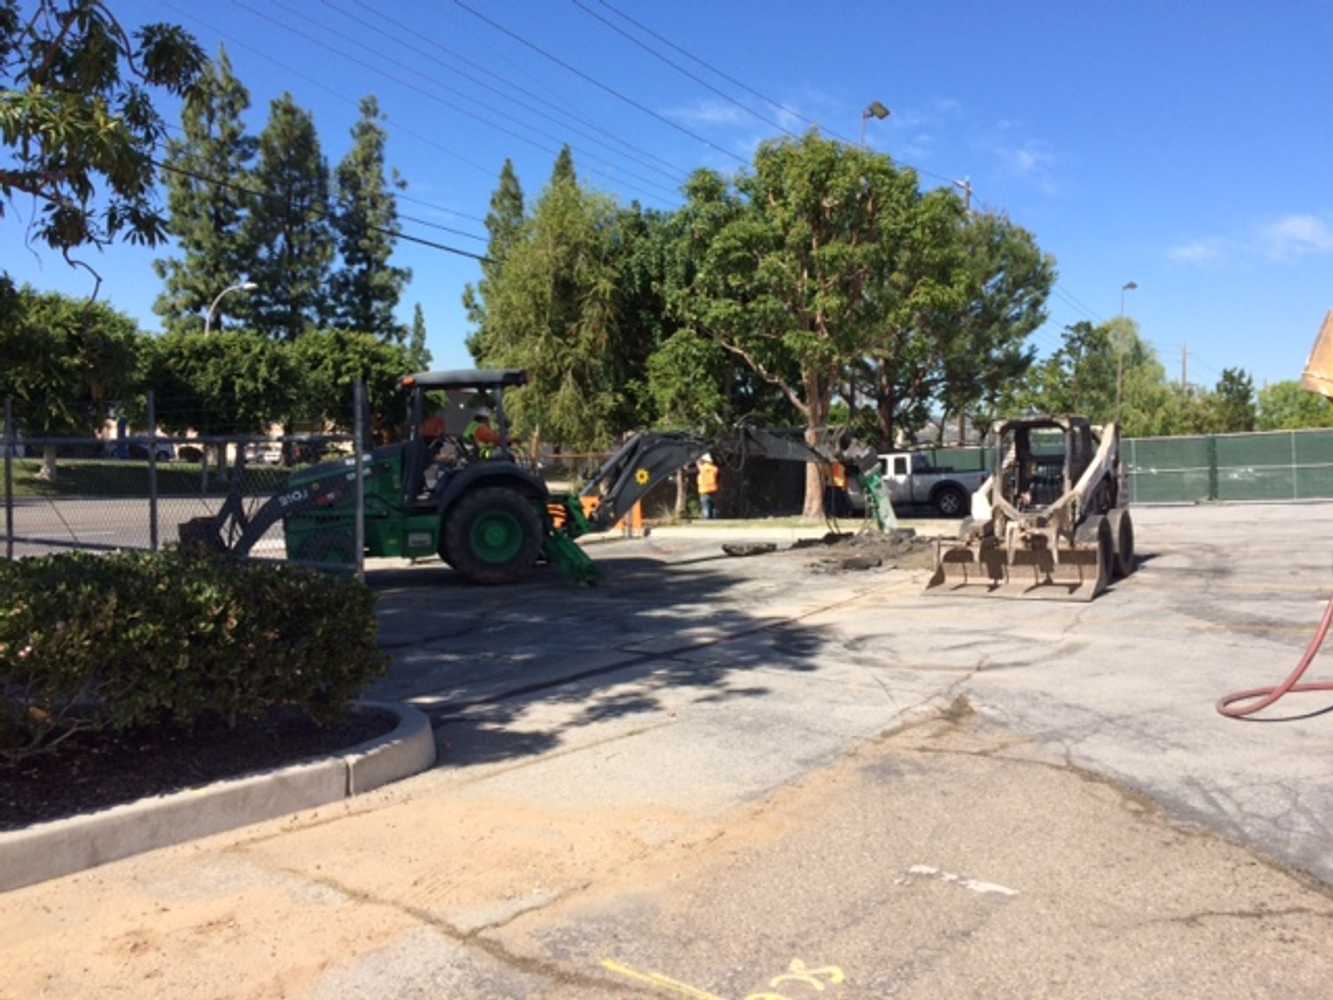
682 485
48 472
818 401
962 428
884 406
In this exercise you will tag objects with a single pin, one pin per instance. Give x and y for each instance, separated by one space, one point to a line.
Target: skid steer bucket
1034 571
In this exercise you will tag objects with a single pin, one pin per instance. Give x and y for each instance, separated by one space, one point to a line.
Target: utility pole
1128 286
965 185
1184 366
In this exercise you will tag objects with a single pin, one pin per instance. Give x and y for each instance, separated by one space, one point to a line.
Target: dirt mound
899 549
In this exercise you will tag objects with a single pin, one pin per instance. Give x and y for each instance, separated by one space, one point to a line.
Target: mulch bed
92 771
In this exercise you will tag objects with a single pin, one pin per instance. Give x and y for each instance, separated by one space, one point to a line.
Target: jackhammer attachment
1033 568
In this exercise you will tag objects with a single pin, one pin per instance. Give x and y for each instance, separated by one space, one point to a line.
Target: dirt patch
900 549
93 771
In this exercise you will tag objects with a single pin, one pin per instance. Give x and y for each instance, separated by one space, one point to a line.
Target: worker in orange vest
708 487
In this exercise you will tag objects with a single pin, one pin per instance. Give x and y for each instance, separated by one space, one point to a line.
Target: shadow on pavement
486 663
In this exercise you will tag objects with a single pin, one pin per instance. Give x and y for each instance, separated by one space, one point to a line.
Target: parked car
911 479
136 450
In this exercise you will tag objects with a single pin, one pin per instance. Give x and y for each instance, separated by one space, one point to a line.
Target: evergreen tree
564 167
417 354
366 290
288 231
504 222
207 219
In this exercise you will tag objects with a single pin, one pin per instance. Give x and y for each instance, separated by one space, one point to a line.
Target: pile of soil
92 771
899 549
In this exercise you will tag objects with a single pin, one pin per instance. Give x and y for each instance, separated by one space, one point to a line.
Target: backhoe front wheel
493 535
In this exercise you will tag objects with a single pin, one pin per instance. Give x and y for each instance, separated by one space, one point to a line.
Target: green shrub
131 639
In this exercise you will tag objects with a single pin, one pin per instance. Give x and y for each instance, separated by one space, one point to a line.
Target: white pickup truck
910 479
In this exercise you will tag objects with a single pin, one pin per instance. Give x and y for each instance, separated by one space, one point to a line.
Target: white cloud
708 112
947 105
1032 159
1295 236
1204 251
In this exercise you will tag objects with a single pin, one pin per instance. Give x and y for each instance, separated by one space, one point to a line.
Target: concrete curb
49 850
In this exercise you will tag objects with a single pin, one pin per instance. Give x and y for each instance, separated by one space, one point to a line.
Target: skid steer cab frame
1052 522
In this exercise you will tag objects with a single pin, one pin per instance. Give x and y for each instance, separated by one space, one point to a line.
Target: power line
597 83
681 69
439 208
398 126
664 167
730 79
428 94
320 213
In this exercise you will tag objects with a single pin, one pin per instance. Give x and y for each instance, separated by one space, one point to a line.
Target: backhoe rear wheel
493 535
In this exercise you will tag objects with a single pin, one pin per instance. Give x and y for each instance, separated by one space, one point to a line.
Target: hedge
98 642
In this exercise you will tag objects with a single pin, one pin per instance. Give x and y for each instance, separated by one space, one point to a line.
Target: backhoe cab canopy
466 378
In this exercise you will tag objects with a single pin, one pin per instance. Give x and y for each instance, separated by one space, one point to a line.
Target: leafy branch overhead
78 121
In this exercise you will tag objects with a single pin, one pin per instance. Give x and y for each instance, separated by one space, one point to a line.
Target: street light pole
873 110
244 286
1128 286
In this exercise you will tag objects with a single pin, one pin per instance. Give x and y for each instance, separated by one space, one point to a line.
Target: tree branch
770 379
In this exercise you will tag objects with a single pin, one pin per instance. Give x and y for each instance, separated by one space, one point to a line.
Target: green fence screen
1272 465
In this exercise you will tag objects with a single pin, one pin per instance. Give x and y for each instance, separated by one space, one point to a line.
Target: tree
331 361
557 309
418 356
1286 406
367 288
797 283
504 222
77 119
1235 401
67 362
239 382
207 219
287 230
563 171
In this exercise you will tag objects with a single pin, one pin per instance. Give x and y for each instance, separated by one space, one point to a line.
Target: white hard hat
706 457
483 414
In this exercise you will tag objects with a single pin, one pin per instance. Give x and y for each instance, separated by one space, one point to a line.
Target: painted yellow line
658 980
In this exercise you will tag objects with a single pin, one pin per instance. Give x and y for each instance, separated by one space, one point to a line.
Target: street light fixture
873 110
244 286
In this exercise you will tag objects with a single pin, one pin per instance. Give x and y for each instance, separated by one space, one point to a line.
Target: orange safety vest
707 477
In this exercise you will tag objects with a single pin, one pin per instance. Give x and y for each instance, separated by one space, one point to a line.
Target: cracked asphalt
736 778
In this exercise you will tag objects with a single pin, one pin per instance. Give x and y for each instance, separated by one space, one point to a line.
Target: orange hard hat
433 427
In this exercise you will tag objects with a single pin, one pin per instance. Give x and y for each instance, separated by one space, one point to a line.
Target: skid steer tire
493 535
1122 529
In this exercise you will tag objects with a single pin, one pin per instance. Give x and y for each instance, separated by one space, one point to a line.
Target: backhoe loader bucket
984 569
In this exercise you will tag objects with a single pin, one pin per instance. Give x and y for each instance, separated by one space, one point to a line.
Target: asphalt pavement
745 778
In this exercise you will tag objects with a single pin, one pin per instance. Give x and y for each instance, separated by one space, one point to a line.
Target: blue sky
1187 150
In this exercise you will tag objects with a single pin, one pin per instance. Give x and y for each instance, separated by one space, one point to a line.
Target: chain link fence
135 486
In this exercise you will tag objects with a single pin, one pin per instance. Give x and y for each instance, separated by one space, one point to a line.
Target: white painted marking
975 885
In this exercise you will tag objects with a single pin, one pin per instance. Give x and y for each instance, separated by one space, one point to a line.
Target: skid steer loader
1050 523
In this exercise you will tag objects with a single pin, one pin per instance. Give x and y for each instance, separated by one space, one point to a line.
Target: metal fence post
152 470
358 449
1133 471
10 445
1212 466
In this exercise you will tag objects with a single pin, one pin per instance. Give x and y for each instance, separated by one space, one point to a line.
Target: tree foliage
67 362
418 355
1285 406
330 362
366 288
504 223
77 118
239 382
207 219
288 233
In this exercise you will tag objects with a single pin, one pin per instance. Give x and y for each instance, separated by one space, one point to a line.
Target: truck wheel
951 501
493 535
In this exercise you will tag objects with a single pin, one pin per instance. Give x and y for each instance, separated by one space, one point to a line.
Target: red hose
1267 696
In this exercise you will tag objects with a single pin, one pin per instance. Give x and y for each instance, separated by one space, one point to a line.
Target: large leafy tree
799 281
67 362
1286 406
331 361
504 223
208 218
418 355
78 122
288 231
367 288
